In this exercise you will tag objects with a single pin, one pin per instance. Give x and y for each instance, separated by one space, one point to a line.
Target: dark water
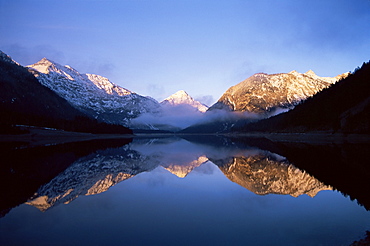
192 191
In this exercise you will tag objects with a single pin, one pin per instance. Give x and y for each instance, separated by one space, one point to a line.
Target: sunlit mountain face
268 94
260 96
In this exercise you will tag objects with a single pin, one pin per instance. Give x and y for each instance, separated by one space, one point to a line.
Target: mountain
344 107
23 100
183 98
266 94
260 96
176 112
19 94
93 94
105 101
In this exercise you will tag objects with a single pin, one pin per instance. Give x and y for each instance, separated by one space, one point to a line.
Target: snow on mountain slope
104 84
183 98
177 111
93 94
263 93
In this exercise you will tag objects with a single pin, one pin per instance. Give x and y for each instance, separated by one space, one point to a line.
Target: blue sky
157 47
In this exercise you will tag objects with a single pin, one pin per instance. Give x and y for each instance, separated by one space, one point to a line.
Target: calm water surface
172 191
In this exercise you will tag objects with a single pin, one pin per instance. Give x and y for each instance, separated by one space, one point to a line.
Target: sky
158 47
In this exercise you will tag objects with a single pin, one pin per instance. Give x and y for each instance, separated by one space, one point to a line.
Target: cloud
183 116
223 115
206 99
180 116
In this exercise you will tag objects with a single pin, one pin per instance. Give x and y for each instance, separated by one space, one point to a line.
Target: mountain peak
43 66
182 93
47 66
181 97
45 61
310 73
293 72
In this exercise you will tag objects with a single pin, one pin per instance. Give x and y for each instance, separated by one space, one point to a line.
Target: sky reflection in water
205 207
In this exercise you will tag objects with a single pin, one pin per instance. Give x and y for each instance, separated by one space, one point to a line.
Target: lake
193 190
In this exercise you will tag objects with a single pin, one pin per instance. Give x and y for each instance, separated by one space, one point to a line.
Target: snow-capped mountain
24 101
93 94
183 98
177 112
105 101
263 93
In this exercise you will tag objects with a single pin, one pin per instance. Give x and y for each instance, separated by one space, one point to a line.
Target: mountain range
68 94
105 101
87 95
92 94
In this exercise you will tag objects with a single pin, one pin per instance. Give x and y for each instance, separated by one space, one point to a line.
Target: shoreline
309 137
38 136
45 136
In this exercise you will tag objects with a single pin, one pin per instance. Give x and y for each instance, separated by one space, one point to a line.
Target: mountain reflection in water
45 177
261 172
